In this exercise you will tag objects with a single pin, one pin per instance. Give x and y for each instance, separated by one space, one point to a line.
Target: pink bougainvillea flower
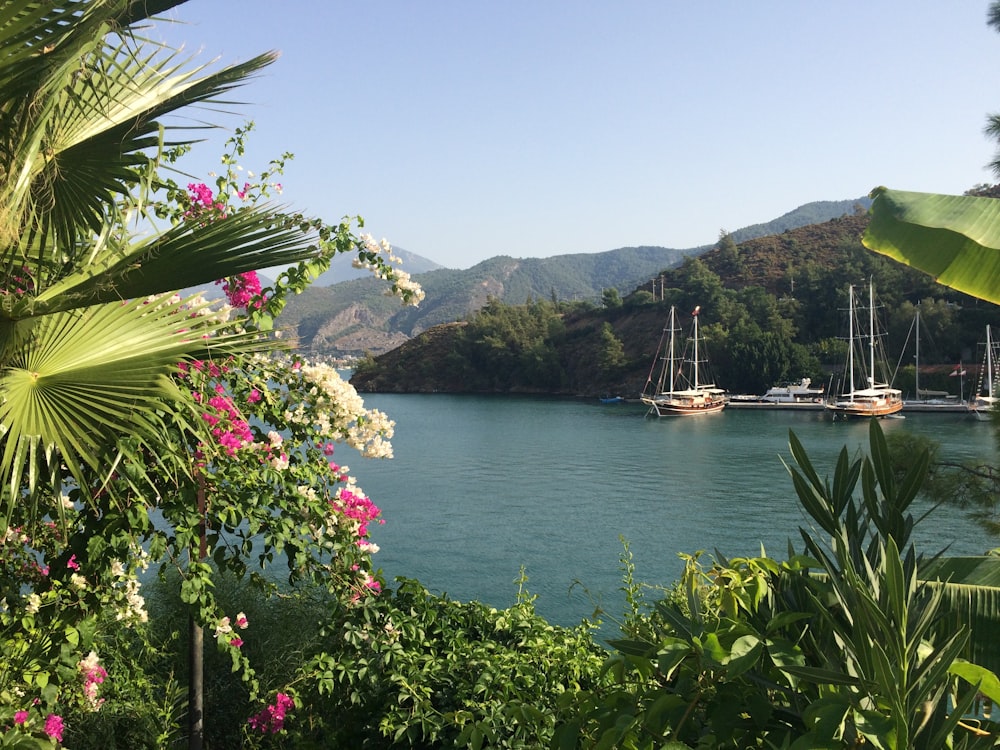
20 717
54 727
271 719
243 290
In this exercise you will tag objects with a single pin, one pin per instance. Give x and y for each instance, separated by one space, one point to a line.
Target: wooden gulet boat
678 390
876 399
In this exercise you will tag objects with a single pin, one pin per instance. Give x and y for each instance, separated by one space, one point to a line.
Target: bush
403 669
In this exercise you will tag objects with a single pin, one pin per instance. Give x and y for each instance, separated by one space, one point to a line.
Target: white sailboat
678 391
982 404
874 399
927 399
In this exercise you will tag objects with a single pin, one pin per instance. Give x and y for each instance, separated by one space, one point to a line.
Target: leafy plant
409 669
839 646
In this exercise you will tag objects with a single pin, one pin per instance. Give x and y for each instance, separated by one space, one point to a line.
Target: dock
776 405
909 407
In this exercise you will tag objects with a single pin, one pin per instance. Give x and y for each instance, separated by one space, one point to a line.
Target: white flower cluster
403 286
133 607
338 409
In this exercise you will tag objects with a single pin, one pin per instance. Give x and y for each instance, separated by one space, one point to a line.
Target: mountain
354 317
772 311
810 213
342 268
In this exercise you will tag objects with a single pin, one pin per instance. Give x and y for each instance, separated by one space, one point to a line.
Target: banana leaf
970 596
954 238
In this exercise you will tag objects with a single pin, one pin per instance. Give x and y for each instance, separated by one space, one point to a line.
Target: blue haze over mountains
346 313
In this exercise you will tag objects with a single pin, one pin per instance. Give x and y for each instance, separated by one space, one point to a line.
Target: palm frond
78 135
186 255
88 377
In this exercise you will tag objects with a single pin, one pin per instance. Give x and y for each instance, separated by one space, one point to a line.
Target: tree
102 371
729 254
610 298
80 136
611 356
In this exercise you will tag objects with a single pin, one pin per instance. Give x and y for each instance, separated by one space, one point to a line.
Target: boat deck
909 407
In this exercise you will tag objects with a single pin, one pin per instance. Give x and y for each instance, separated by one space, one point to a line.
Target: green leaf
986 681
955 239
879 729
743 655
819 676
671 654
634 647
86 379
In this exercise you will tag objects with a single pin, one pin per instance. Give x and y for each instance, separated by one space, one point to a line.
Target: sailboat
981 405
678 391
874 399
929 400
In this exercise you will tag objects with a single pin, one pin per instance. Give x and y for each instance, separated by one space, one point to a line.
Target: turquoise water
481 486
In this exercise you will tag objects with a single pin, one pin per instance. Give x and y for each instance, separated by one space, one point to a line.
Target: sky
463 129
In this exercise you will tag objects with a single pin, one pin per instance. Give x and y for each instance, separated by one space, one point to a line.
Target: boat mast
671 361
871 334
989 362
916 356
850 339
697 309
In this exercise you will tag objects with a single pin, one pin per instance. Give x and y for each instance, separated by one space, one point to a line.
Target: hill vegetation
353 317
772 310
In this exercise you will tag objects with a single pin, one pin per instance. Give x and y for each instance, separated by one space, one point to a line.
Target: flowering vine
259 431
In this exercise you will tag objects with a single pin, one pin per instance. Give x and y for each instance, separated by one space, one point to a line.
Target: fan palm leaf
971 595
86 377
82 369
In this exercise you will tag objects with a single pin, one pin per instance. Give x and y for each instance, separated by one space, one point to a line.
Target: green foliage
510 347
413 670
839 646
406 669
611 356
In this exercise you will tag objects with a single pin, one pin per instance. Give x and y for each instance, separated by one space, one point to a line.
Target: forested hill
772 310
353 317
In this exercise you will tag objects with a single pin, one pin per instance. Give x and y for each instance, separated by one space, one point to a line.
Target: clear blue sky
461 130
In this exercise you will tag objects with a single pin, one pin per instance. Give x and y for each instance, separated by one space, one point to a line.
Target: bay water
482 486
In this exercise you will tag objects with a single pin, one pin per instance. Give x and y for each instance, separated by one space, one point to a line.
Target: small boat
875 399
929 400
611 399
679 391
983 403
793 393
800 395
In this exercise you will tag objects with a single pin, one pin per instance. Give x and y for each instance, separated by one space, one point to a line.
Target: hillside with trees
353 317
773 309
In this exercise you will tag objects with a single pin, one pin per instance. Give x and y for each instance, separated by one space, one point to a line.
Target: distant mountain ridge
354 317
342 267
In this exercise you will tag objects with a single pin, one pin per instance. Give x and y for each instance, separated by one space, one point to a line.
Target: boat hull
675 408
864 409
